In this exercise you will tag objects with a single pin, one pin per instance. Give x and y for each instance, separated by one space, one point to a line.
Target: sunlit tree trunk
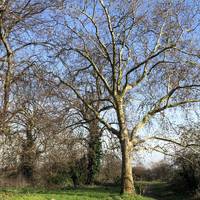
127 185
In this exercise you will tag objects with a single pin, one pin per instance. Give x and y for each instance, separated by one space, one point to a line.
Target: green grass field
92 193
153 191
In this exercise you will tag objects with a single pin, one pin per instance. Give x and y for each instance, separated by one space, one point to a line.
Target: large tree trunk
94 155
28 157
94 151
127 185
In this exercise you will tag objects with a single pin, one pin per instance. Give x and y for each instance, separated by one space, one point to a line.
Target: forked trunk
127 185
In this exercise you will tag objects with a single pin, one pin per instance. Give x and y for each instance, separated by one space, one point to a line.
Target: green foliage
94 158
98 153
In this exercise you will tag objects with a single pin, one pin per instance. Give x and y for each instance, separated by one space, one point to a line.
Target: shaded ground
163 191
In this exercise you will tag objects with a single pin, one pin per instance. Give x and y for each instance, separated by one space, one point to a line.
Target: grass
152 191
89 193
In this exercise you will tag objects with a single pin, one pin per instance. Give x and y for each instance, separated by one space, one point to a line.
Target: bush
54 173
107 175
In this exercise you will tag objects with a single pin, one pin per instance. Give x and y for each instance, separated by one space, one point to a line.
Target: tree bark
127 185
94 151
28 157
94 154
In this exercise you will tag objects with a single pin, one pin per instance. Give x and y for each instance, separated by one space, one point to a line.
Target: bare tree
144 56
16 23
143 53
20 24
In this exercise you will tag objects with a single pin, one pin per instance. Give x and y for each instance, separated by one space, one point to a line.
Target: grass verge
86 193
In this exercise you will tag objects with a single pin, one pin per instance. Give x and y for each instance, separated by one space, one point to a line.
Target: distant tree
162 171
107 175
142 173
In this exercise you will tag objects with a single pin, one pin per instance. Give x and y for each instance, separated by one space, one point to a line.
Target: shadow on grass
163 191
